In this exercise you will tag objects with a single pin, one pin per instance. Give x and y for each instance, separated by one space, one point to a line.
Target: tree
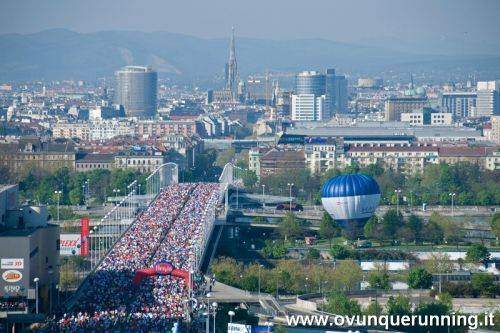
226 270
249 178
452 229
379 279
328 228
484 284
349 274
374 308
275 249
477 253
495 224
339 304
419 278
438 263
372 228
290 226
313 254
432 232
415 225
224 156
399 305
340 252
391 222
75 196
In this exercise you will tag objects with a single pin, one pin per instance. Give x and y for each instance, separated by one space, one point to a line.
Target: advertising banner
70 244
85 223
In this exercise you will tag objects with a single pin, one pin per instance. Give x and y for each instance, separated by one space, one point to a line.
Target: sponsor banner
12 263
12 276
238 328
85 225
70 244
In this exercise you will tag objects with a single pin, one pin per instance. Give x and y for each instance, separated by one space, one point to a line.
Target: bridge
168 223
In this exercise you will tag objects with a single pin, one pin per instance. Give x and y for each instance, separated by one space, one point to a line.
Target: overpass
179 223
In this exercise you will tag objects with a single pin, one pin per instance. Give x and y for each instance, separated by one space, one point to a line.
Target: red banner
164 268
85 227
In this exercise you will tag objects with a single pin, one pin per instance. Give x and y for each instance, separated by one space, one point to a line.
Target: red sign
85 224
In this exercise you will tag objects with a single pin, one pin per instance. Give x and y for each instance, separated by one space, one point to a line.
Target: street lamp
452 195
58 193
398 191
36 293
263 200
214 307
259 280
290 185
207 323
231 314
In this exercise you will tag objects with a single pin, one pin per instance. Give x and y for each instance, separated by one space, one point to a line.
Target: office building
29 250
330 87
459 104
308 107
136 90
395 106
488 98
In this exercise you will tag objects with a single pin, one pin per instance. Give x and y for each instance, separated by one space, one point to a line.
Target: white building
308 107
488 98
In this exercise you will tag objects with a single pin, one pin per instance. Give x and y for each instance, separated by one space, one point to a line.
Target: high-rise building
308 107
488 98
340 93
136 90
232 70
310 82
331 89
460 104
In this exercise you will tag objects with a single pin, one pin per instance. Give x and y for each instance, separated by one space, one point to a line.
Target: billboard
84 236
70 244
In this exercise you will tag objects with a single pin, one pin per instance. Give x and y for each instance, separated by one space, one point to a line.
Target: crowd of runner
171 229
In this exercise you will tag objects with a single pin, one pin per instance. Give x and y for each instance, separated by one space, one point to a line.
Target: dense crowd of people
171 229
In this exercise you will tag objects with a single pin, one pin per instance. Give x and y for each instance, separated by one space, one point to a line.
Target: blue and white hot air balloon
351 200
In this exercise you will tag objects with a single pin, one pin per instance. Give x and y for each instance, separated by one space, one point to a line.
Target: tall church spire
232 69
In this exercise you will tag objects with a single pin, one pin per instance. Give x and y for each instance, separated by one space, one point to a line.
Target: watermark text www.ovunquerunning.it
452 320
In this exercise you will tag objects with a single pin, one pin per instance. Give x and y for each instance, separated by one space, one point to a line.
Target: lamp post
263 200
259 280
207 322
58 193
214 307
452 195
231 314
290 185
397 191
36 280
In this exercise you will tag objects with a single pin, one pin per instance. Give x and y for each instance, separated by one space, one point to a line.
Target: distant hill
63 54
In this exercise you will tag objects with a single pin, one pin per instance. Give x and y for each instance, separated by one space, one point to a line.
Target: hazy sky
341 20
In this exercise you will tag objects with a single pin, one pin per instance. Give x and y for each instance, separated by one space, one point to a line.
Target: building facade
395 106
488 98
136 90
459 104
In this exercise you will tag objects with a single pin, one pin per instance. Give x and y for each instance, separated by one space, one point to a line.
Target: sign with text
70 244
12 263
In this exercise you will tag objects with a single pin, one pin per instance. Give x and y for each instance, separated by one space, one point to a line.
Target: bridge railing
111 227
